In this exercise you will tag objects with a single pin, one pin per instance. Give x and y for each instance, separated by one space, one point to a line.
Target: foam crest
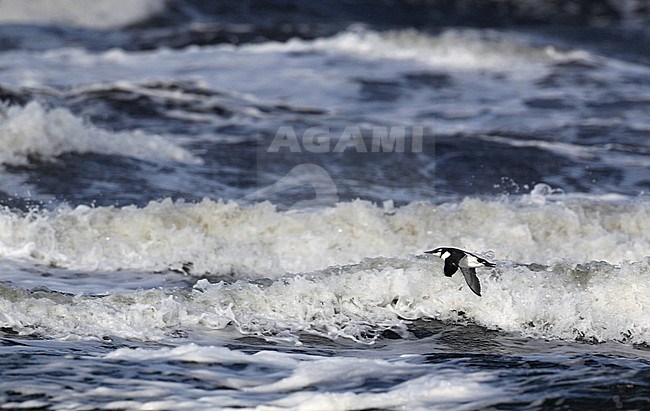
146 316
354 305
592 302
225 238
34 131
460 49
584 302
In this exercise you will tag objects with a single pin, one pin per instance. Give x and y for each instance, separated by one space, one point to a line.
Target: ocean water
207 205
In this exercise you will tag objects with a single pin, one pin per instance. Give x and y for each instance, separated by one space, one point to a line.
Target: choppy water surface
170 239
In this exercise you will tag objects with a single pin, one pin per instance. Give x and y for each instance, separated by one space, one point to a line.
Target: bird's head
438 251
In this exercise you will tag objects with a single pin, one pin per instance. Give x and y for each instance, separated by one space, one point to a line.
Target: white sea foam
259 241
291 375
593 302
552 279
34 131
96 14
464 50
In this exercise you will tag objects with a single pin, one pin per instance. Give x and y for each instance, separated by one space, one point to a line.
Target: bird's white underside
470 261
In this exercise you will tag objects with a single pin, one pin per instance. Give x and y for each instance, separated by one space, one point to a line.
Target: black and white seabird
466 261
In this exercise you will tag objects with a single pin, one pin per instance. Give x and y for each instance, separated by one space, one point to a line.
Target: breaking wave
33 131
570 269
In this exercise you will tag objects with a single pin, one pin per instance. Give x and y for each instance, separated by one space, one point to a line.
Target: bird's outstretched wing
450 268
471 279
